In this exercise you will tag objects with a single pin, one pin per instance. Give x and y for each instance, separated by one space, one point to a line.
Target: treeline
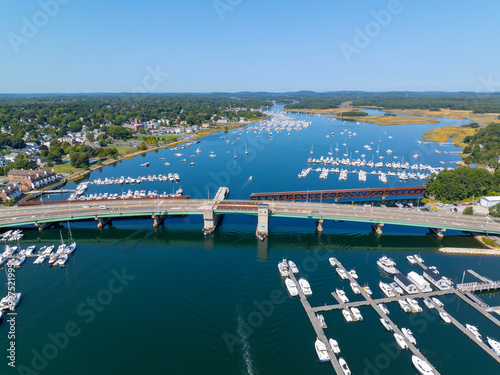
463 183
353 113
484 146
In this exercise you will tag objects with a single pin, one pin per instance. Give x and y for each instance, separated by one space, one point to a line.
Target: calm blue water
183 304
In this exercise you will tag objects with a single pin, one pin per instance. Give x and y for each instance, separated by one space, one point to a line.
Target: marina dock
467 251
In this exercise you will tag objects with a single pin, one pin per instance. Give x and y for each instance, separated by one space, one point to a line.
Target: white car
103 207
86 206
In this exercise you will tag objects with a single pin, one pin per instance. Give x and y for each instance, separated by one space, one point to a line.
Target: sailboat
246 149
337 148
235 156
311 149
330 153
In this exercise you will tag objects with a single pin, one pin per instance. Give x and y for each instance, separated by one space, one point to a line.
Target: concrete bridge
46 214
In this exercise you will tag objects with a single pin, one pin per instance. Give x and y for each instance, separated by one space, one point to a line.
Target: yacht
411 259
321 351
367 290
440 282
39 260
415 307
495 345
342 273
386 289
386 324
283 268
335 346
418 258
356 313
355 288
341 294
306 288
29 250
397 288
347 315
387 265
445 317
428 303
353 274
293 267
474 331
61 261
401 341
344 367
52 259
422 366
332 262
437 302
292 288
10 301
404 306
322 322
383 308
70 248
409 335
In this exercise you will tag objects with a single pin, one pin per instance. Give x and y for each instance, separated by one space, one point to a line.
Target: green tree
90 137
469 210
495 210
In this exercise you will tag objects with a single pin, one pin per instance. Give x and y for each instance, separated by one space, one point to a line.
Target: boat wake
247 354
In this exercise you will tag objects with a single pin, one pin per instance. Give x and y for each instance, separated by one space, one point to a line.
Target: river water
139 300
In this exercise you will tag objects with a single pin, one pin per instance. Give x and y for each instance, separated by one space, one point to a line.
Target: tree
18 143
79 159
469 210
495 210
142 146
102 139
90 137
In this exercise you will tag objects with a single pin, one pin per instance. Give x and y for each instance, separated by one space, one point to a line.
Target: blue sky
255 45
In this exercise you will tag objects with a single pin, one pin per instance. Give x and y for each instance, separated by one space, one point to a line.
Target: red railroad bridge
312 195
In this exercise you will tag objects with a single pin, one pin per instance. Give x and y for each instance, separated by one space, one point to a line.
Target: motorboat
445 317
341 294
418 258
344 367
495 345
409 335
61 261
387 265
386 324
386 289
474 331
292 287
39 260
414 306
332 262
321 320
321 351
422 366
293 267
335 346
437 302
353 274
411 259
396 288
367 290
306 288
400 341
52 259
383 308
10 301
342 274
404 306
356 313
29 250
347 315
283 268
355 288
428 303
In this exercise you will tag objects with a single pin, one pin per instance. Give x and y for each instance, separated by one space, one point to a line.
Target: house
489 201
10 191
31 179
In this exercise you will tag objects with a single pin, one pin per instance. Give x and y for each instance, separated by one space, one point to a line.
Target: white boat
409 335
405 284
335 346
283 268
401 341
292 288
386 289
10 301
397 288
445 317
474 331
386 324
356 313
29 250
342 274
495 345
428 303
332 262
293 267
347 315
367 290
353 274
321 351
39 260
355 288
422 366
61 261
321 320
383 308
404 306
341 294
387 265
410 259
306 288
70 248
437 302
418 258
52 259
414 306
344 367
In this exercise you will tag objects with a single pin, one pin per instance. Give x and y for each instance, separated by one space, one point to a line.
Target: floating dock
467 251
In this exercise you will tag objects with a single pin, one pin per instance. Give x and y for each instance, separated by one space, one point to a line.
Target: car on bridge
103 207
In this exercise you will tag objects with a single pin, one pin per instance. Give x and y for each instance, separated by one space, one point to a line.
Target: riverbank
457 134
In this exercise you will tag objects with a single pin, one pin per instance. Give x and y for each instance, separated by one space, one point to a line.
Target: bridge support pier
377 227
319 226
210 221
158 220
263 223
43 226
103 221
438 232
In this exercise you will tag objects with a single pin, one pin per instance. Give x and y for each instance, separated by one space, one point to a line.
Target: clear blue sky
255 45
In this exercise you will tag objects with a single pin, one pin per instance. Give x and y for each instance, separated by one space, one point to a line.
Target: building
11 191
134 127
31 179
489 201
